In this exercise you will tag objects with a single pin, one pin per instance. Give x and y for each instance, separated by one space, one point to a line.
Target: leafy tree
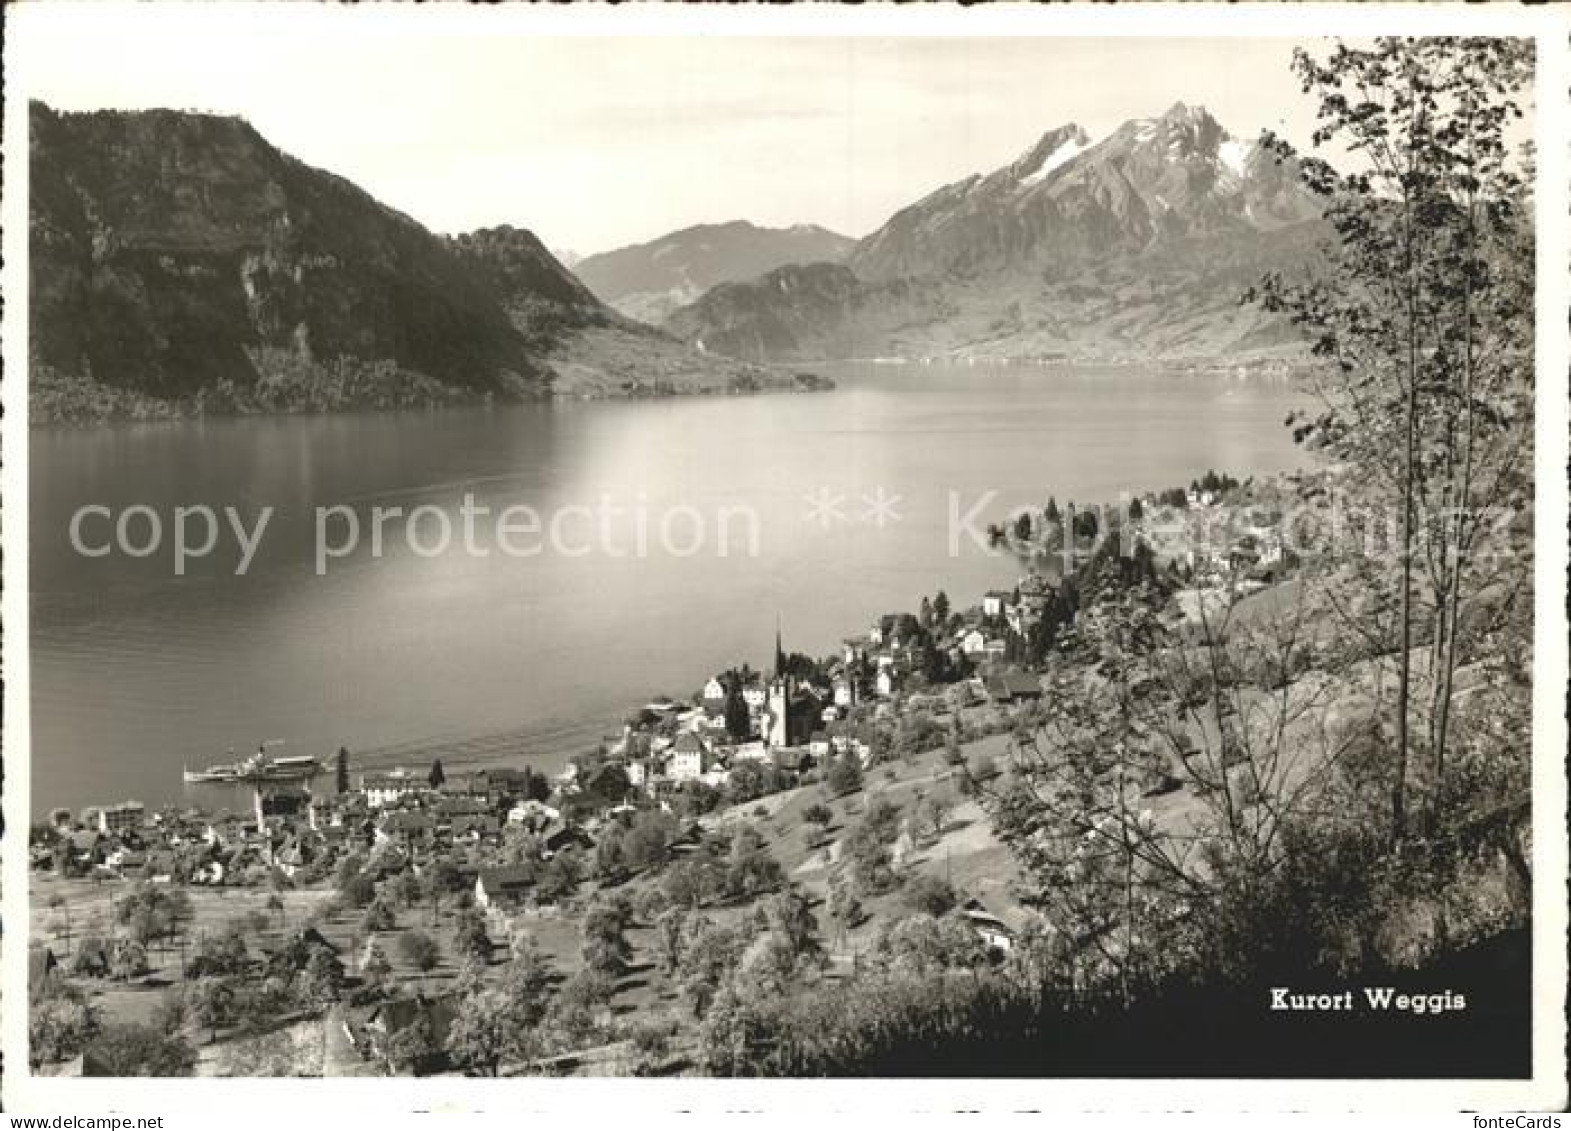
650 904
844 906
738 717
322 979
611 854
688 883
375 970
709 953
171 1013
941 608
788 917
750 780
223 954
378 917
929 895
487 1030
59 1026
341 771
470 940
926 945
648 840
560 875
932 812
819 817
419 950
210 1002
751 868
127 1049
670 936
128 960
605 946
437 775
358 890
1422 326
413 1045
845 775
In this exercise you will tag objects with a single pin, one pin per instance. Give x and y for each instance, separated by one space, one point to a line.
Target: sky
594 143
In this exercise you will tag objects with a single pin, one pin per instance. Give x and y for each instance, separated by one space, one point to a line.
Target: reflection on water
137 672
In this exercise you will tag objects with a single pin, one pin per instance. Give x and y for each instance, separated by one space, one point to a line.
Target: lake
830 508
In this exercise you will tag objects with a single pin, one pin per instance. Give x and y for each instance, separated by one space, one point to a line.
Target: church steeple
780 656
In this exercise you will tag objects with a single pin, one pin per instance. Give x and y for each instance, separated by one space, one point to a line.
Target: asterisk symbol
824 507
879 508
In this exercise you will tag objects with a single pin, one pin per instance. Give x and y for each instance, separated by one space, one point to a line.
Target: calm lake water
137 672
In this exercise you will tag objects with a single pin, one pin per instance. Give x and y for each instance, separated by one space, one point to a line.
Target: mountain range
1131 247
180 263
650 280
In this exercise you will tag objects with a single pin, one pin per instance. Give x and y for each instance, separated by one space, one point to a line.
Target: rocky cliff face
1132 247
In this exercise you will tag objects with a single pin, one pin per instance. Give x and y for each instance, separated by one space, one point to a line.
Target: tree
322 979
125 1049
649 838
487 1030
929 895
172 1012
670 934
818 816
128 960
688 883
359 890
375 969
413 1045
59 1026
932 812
738 717
605 947
470 940
845 775
787 916
941 608
223 954
419 950
341 771
560 875
926 945
1423 328
378 917
610 854
709 953
405 888
210 1002
751 867
844 906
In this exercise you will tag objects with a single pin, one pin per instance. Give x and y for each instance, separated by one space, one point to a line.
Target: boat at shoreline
260 767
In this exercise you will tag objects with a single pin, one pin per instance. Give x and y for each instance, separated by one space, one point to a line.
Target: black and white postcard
653 554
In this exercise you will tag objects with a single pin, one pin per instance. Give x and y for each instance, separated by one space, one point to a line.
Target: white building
690 758
386 789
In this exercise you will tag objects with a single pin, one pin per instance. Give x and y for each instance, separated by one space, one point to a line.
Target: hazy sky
595 143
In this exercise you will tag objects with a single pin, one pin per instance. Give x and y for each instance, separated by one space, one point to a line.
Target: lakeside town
362 905
1204 761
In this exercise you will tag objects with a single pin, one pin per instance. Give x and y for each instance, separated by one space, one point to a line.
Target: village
338 924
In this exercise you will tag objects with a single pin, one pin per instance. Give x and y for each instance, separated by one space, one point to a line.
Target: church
791 707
